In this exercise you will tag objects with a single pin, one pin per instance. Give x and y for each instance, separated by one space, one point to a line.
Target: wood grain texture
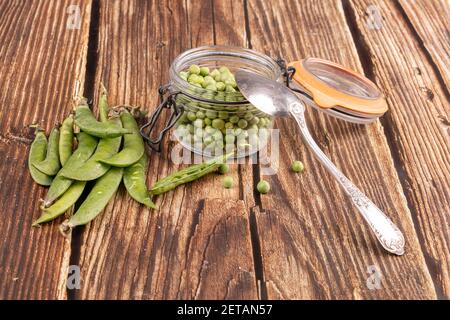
314 244
190 248
431 21
418 130
40 61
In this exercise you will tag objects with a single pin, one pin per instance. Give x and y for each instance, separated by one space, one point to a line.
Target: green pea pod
103 104
188 174
133 145
96 201
63 204
89 124
134 181
93 168
86 147
66 140
37 154
50 165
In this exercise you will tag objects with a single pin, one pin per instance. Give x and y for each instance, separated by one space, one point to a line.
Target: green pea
263 186
218 78
200 115
224 69
211 114
192 78
198 123
204 71
223 115
229 125
248 116
297 166
230 82
254 120
190 128
37 153
220 86
211 87
208 140
184 75
133 145
215 73
207 121
227 182
234 119
224 168
134 181
209 79
191 116
242 123
218 123
194 69
229 88
200 80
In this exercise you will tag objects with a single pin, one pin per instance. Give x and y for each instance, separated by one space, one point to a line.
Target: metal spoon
275 99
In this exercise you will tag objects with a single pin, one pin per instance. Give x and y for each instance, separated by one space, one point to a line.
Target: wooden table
303 240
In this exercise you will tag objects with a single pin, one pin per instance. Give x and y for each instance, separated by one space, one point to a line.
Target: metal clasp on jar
169 102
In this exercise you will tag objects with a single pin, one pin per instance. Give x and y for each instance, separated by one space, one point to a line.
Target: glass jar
219 122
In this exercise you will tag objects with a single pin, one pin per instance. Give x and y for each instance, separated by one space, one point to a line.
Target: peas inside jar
219 121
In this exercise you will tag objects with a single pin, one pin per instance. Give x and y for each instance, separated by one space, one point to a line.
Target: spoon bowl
275 99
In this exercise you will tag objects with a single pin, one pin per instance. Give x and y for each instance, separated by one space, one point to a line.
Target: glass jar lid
335 87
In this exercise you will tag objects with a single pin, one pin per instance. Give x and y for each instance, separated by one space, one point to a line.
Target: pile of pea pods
100 156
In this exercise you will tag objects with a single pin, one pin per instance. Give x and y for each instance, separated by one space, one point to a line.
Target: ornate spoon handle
387 233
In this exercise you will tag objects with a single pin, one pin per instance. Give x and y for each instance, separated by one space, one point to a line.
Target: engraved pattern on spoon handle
387 233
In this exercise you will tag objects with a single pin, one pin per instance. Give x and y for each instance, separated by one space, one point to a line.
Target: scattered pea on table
263 187
224 168
297 166
227 182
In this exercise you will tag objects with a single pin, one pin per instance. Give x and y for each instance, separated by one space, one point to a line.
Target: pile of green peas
215 128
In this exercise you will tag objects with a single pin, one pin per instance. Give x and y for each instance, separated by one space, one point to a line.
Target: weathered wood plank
313 243
418 130
431 21
40 62
196 246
